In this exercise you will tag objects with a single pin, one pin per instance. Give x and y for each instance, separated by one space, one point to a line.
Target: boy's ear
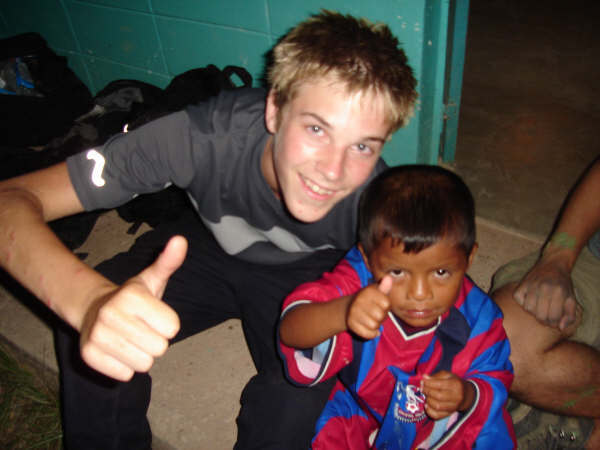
271 113
472 254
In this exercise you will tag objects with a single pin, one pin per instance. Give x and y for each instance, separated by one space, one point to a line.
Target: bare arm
579 220
122 328
546 291
31 252
308 325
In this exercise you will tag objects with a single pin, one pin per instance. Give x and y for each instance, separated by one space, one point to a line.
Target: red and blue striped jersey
377 402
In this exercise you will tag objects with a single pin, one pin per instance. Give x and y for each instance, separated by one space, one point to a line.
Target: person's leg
554 371
90 402
551 372
99 412
274 413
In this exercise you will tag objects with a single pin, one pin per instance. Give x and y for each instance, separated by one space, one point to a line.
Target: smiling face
325 144
425 284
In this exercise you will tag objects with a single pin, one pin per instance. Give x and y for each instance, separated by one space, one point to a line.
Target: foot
537 429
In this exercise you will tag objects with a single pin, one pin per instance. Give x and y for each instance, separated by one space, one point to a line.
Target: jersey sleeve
485 363
307 367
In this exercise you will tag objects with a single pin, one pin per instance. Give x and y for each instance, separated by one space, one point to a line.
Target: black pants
209 288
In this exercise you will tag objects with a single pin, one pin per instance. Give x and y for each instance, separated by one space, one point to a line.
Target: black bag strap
242 73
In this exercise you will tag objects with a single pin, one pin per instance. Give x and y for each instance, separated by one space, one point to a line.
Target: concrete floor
530 100
530 107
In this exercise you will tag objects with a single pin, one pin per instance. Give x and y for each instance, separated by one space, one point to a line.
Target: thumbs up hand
369 308
125 329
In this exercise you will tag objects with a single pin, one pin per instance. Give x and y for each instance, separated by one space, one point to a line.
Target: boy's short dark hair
366 57
417 205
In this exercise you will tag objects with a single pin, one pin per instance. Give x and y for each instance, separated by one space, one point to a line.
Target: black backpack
40 95
191 87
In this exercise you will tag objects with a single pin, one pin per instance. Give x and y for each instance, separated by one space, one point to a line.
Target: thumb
385 285
158 273
569 313
519 294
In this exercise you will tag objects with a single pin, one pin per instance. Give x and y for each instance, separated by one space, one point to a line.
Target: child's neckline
409 329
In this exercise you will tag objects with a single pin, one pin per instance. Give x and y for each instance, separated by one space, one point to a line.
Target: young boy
274 177
420 352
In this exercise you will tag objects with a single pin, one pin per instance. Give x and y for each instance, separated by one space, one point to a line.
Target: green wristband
562 240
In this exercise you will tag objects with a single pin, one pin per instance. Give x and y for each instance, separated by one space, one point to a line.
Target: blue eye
363 148
315 129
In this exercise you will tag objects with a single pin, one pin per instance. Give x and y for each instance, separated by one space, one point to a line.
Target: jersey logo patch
99 162
408 403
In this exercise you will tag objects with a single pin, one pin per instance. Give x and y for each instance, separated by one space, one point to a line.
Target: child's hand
369 308
446 393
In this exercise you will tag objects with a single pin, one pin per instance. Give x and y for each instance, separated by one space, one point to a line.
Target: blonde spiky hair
364 56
